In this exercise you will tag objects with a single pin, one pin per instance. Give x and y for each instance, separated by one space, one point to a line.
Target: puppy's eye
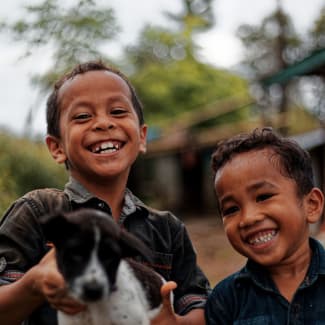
76 258
73 256
76 252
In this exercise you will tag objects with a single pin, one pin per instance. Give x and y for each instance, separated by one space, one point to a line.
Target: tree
179 86
270 47
162 45
197 16
317 32
74 33
166 73
316 84
156 45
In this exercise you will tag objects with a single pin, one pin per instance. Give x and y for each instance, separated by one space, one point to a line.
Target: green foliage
317 31
180 86
75 32
25 166
167 75
155 45
269 46
165 71
196 16
164 45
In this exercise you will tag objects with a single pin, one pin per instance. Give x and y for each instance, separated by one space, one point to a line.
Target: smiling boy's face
100 133
263 216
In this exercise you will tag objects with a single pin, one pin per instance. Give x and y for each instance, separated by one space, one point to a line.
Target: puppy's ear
132 246
55 228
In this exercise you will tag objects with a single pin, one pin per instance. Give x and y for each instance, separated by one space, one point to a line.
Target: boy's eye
263 197
118 111
82 116
229 210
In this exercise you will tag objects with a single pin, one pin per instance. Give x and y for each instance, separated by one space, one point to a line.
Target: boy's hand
167 315
51 285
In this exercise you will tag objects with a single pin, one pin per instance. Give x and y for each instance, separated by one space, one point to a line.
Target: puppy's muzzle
92 291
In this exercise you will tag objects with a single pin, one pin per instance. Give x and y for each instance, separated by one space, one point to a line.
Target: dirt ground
216 257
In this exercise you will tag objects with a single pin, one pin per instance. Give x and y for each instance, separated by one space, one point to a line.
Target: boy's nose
250 217
103 123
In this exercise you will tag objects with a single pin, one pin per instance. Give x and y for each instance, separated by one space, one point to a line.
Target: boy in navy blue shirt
267 200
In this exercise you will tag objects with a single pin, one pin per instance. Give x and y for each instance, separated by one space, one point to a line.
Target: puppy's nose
92 291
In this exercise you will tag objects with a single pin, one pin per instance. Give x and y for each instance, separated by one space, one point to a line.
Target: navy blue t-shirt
250 297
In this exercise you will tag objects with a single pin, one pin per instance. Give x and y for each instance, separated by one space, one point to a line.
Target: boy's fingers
67 305
166 291
49 257
166 315
167 288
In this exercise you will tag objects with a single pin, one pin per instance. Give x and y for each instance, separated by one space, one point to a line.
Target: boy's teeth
262 238
106 147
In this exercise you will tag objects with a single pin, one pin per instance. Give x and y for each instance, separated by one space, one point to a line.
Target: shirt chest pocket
161 263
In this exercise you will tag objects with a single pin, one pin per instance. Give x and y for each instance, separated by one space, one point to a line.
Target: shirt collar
76 192
257 274
80 195
317 265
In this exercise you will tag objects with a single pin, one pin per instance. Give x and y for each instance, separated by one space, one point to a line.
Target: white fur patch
116 308
94 273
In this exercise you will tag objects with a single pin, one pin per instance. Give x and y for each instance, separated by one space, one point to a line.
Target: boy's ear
314 205
55 147
143 138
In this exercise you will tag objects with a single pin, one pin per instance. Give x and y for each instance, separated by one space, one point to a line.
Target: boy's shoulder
163 220
153 212
242 282
28 208
43 200
232 281
52 197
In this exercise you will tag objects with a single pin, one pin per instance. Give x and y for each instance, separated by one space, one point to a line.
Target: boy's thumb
166 292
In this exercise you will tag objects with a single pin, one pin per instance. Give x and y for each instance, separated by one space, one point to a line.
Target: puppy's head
89 247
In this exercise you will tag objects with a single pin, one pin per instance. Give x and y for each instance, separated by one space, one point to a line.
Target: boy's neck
288 277
112 192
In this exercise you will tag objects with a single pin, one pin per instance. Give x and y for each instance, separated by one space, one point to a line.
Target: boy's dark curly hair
293 161
52 106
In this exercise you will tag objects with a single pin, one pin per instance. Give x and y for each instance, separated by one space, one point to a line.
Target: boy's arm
192 285
42 282
18 300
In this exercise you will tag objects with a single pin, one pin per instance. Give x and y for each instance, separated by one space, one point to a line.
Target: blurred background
204 70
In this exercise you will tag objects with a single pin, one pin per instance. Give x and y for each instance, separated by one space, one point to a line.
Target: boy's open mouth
262 237
106 147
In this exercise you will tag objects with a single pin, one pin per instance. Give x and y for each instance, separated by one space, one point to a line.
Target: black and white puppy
92 252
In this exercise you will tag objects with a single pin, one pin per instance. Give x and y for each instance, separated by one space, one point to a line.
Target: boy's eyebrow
225 199
123 98
111 99
261 184
251 188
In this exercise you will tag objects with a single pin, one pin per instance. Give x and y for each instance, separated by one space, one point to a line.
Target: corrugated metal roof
313 64
310 139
